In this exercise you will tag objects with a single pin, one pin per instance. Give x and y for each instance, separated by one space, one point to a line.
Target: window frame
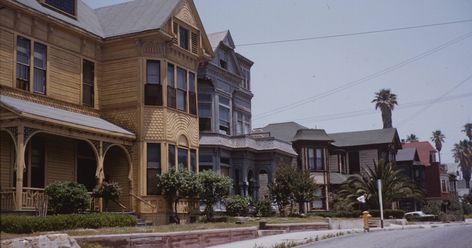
312 161
42 69
58 9
23 83
88 84
220 120
153 90
157 168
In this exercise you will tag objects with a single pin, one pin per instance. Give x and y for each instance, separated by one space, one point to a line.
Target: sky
329 82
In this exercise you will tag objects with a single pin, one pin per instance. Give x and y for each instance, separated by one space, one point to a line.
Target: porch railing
7 199
153 207
32 199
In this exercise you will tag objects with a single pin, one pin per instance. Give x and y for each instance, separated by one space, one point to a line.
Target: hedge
29 224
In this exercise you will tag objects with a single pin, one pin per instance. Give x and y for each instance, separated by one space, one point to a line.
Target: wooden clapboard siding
333 163
117 170
65 39
64 75
7 44
119 50
367 158
60 159
7 18
119 83
7 154
23 23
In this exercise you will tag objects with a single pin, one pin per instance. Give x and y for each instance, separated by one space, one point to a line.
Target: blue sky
285 73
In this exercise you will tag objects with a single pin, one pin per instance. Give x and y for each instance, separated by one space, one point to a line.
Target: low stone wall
197 239
52 240
358 223
297 227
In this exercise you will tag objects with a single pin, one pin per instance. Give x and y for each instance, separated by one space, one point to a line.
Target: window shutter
194 43
176 32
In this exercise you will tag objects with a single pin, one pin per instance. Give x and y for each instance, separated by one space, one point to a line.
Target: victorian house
332 157
224 106
89 95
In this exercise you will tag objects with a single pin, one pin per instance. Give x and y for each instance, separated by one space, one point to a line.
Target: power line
354 33
363 79
428 106
369 111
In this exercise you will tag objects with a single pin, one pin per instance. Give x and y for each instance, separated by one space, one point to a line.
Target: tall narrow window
153 167
171 99
224 115
239 123
88 83
183 38
192 95
153 86
247 124
193 160
319 159
183 159
39 82
171 156
23 50
311 159
181 89
204 111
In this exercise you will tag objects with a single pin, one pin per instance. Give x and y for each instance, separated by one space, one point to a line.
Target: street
457 236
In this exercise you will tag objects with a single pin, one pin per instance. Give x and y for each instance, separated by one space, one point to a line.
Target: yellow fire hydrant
365 218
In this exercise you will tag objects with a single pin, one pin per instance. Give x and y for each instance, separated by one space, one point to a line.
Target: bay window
171 99
153 167
182 157
171 157
181 92
204 111
224 115
192 96
315 159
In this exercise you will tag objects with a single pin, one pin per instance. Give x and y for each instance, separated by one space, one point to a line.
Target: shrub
264 208
67 197
29 224
237 205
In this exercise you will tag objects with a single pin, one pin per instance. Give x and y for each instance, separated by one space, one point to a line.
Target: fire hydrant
365 218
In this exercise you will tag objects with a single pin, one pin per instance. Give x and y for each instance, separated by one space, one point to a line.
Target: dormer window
68 7
187 37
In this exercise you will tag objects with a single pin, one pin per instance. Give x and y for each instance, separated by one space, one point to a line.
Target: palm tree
468 130
411 138
395 185
386 101
438 139
462 153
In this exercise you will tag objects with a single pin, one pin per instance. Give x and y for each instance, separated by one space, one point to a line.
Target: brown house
89 95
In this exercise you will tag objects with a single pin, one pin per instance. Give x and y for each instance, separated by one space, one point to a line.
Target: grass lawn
174 228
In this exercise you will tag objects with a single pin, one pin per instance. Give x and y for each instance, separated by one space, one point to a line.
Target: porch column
20 163
100 174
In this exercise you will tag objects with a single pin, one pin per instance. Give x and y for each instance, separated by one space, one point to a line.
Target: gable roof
217 37
407 154
312 135
86 18
134 16
285 130
34 110
424 149
367 137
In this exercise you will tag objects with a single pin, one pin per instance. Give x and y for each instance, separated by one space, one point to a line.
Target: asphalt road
457 236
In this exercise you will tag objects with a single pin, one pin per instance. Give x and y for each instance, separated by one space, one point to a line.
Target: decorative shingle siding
153 128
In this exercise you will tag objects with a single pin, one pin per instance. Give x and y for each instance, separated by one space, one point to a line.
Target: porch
40 144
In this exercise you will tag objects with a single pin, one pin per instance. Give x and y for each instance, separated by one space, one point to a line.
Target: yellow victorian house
89 95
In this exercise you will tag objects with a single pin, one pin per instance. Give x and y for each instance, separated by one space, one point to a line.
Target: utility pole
379 187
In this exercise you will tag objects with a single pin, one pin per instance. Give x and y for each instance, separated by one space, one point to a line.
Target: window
192 96
353 162
153 167
23 51
315 159
171 98
195 41
182 159
39 81
443 186
171 157
66 6
223 60
204 111
88 77
246 79
181 89
239 123
224 115
153 86
320 200
193 160
183 38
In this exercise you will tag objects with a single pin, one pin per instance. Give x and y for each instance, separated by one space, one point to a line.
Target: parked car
420 216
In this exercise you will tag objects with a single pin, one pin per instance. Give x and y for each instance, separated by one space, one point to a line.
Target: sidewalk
300 238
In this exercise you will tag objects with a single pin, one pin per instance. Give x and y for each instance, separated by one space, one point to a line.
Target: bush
395 213
237 205
264 208
29 224
67 197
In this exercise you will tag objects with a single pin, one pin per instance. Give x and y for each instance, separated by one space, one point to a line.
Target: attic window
68 7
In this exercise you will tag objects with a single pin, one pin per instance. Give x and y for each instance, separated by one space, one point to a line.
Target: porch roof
68 118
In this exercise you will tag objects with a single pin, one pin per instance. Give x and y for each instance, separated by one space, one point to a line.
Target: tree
281 188
462 153
304 188
395 185
468 130
177 185
386 101
67 197
438 139
411 138
214 188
